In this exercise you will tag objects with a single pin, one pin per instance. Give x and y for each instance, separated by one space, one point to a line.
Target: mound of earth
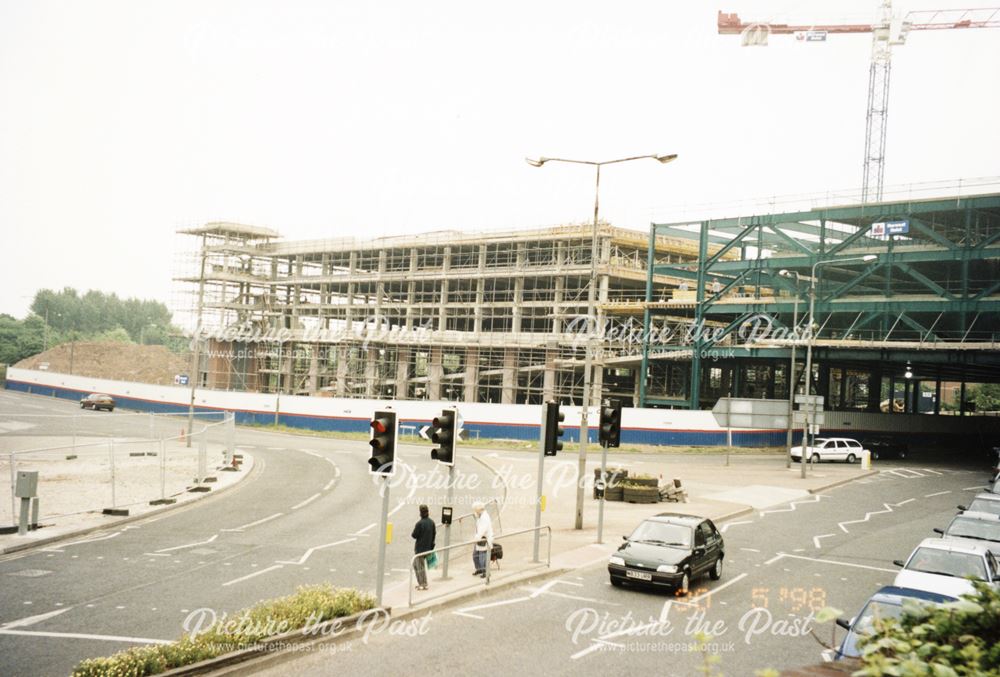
110 360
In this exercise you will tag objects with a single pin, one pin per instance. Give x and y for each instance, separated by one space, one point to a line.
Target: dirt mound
117 361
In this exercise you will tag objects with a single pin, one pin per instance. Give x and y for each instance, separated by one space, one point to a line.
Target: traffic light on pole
444 435
383 443
611 424
553 431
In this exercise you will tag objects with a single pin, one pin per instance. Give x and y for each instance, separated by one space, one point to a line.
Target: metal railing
113 468
510 554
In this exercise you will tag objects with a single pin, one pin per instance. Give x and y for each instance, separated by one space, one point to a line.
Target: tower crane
887 31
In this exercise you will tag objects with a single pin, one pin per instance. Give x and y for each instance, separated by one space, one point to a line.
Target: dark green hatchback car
669 551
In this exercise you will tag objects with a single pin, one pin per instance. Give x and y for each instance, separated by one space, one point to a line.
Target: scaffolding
475 317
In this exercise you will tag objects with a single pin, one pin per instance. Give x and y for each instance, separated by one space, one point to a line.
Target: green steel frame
938 284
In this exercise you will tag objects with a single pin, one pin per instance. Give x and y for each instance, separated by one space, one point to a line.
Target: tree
986 397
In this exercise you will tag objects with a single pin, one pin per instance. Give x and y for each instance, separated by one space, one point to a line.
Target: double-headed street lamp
811 338
591 314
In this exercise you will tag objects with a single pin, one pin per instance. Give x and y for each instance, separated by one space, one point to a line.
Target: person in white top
484 539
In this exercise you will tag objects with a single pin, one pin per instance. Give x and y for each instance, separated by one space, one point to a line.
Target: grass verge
309 606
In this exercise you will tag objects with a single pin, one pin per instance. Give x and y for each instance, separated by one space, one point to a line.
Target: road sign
883 228
799 418
423 432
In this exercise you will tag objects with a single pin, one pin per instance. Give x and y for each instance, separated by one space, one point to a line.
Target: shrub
309 604
951 640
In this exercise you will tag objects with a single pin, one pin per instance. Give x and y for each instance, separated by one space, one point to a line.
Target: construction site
489 317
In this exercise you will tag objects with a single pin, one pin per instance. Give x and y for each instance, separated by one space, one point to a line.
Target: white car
983 502
830 449
943 566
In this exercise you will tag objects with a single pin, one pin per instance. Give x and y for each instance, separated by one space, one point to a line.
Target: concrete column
443 308
435 371
411 289
557 300
471 384
340 389
509 384
402 372
371 372
549 377
314 370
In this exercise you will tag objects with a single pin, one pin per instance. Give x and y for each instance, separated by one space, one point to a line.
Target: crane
887 31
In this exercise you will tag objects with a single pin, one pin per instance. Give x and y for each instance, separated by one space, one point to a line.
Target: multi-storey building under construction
495 317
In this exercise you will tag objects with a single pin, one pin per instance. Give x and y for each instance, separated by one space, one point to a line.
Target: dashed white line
829 561
188 545
253 524
750 549
248 576
306 502
310 551
78 635
937 493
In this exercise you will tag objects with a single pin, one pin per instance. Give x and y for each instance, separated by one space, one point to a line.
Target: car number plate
641 575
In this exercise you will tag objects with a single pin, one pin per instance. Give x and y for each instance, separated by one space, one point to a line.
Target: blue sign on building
883 228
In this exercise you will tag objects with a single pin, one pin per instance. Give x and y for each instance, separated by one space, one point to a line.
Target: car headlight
620 561
667 569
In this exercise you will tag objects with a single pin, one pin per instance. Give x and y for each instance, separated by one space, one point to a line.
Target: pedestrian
484 539
423 534
716 286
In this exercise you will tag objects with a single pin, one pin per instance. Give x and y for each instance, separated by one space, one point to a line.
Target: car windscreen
946 563
663 533
872 612
984 530
983 505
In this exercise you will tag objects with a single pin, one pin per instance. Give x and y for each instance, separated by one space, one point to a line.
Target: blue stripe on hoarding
485 430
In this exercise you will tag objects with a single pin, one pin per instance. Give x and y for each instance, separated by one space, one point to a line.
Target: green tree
986 397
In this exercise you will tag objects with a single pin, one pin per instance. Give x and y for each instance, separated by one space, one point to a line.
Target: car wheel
615 582
716 572
851 458
682 587
814 458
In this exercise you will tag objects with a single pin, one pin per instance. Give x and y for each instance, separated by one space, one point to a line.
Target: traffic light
444 435
611 424
553 431
383 443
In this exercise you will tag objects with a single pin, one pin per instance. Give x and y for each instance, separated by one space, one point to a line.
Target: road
307 515
835 548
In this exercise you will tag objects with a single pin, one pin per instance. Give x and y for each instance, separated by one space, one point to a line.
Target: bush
951 640
310 604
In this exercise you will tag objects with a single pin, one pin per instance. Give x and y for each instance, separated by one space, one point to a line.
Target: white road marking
253 524
503 602
733 524
330 484
792 505
828 561
937 493
256 573
31 620
78 635
976 488
868 515
188 545
564 595
310 551
82 541
816 538
932 471
306 502
155 554
750 549
361 531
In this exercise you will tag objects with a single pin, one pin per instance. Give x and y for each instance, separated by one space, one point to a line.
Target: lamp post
791 367
591 298
867 258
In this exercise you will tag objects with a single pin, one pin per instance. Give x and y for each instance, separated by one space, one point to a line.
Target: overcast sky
121 122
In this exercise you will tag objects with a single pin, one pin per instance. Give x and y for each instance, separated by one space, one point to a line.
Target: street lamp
867 258
591 297
791 371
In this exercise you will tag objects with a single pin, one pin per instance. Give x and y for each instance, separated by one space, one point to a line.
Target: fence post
111 452
202 452
11 459
230 438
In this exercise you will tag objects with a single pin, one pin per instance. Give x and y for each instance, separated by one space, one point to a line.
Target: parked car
889 602
983 502
943 566
98 401
669 551
886 446
975 527
830 449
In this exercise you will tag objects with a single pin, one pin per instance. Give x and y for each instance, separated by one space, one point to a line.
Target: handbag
431 560
496 553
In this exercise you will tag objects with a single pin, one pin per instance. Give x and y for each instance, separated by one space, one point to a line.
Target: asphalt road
307 514
783 565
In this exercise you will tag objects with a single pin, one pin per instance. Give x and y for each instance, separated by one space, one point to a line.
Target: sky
124 121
